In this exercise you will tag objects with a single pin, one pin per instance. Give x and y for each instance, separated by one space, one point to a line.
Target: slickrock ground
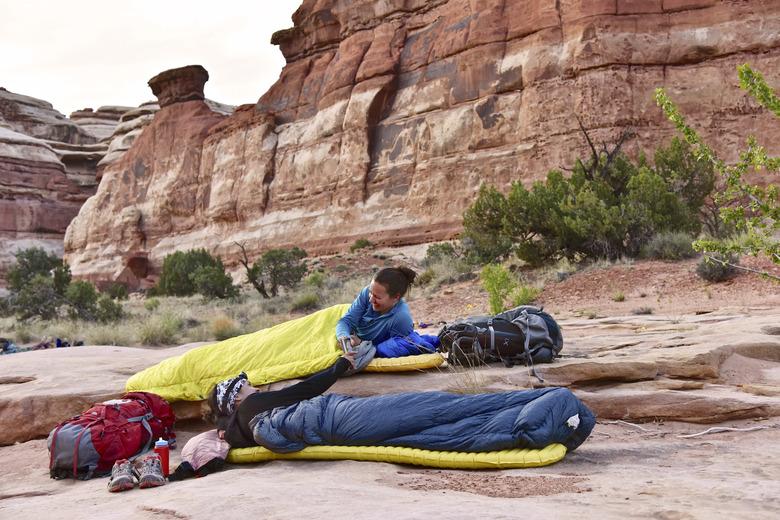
649 378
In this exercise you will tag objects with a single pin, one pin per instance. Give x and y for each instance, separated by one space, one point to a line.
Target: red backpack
88 444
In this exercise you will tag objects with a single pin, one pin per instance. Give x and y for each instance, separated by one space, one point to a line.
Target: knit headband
227 391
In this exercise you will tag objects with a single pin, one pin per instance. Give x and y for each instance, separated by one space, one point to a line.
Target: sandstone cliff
48 166
390 114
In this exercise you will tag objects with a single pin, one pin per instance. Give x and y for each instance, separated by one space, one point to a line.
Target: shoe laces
150 464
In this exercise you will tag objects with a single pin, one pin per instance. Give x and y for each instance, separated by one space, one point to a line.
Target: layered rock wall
37 199
390 114
48 166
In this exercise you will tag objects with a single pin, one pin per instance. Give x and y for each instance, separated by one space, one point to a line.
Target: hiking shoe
150 472
122 476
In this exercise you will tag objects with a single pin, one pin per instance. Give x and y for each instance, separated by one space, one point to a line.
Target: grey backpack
523 335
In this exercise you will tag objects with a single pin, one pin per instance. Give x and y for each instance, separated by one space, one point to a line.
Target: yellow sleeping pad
405 364
503 459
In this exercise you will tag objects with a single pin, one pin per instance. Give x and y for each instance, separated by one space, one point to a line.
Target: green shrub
213 282
484 237
224 327
670 245
176 279
117 291
277 268
160 330
6 309
151 304
361 243
440 252
618 296
608 207
35 261
425 277
107 310
37 298
315 279
717 267
525 295
305 302
82 299
499 285
753 209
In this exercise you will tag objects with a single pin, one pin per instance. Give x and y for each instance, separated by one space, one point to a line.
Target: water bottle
161 449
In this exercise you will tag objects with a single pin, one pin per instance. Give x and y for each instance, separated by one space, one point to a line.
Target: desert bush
499 284
750 208
37 298
717 267
176 277
361 243
484 237
618 296
277 268
441 252
525 295
305 302
315 279
608 207
670 245
212 281
224 327
33 262
339 290
107 310
425 278
117 291
81 297
6 309
642 310
151 304
160 330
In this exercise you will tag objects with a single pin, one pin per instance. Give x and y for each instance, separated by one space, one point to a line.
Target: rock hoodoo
390 114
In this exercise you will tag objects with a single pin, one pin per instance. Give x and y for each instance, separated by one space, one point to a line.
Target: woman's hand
355 340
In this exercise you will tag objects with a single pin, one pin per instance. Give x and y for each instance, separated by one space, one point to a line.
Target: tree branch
252 277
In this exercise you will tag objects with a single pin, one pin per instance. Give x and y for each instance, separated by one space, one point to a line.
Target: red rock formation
37 199
48 167
390 114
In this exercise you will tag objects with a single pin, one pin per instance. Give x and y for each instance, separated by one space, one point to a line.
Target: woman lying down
290 419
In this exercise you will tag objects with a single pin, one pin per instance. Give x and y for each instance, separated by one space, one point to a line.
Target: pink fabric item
203 448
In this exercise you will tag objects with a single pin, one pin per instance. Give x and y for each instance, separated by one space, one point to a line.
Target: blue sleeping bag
410 345
429 420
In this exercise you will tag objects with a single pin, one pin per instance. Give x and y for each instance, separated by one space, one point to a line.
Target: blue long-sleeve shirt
363 320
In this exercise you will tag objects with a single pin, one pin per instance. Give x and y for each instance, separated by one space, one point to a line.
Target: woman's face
381 302
245 392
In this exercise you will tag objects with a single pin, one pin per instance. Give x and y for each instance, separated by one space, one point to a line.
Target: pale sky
89 53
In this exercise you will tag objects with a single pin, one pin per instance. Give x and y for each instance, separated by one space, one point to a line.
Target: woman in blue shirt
379 312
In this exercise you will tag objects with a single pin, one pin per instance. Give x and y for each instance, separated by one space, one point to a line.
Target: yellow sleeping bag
503 459
290 350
